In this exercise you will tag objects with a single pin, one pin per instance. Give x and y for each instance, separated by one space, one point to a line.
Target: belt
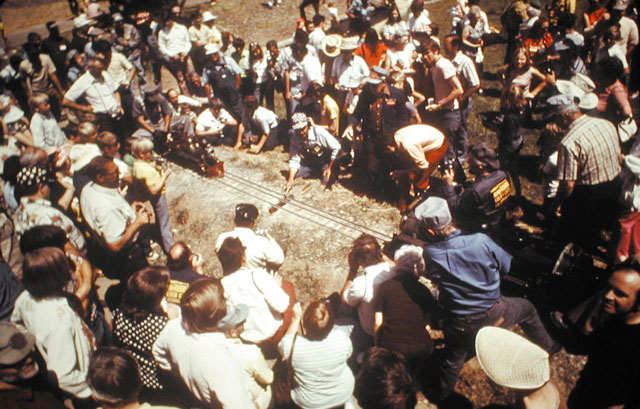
477 315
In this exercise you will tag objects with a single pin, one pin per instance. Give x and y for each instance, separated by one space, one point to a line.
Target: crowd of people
86 124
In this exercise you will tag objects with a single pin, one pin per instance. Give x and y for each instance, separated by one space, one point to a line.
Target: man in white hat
467 270
348 72
209 20
201 35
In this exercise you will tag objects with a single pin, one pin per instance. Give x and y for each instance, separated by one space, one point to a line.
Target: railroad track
289 204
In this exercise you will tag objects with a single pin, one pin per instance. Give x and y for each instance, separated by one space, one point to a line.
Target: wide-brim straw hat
349 43
331 45
511 360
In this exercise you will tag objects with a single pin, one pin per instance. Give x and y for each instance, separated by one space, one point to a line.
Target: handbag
627 129
283 379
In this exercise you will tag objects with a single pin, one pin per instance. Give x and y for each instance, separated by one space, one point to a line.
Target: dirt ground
316 259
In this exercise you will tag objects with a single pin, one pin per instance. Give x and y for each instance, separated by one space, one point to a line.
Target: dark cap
483 154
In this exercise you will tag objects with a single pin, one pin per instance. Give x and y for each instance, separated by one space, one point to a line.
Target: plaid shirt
589 153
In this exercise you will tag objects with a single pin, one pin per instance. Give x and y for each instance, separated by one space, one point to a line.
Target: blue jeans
465 111
460 333
161 208
457 141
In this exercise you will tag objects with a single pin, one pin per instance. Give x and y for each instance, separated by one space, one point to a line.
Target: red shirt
371 57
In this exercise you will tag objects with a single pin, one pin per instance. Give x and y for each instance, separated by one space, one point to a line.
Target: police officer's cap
483 154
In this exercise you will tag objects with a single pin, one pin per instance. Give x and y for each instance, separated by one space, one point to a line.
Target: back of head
98 166
231 255
106 140
246 213
144 291
29 180
409 260
203 305
179 256
251 103
385 381
87 132
45 272
317 320
364 252
42 236
114 377
141 145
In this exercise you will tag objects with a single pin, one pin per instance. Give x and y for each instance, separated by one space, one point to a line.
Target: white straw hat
511 360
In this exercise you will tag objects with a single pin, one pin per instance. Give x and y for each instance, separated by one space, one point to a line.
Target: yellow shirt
147 172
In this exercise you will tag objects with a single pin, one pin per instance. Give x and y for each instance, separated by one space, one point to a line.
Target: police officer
221 78
479 205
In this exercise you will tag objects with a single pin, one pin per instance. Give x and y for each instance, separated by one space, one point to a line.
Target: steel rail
314 221
311 209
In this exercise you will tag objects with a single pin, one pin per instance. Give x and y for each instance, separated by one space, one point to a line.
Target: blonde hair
141 145
37 99
87 131
513 98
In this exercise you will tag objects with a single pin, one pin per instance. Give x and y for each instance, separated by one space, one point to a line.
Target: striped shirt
321 375
589 153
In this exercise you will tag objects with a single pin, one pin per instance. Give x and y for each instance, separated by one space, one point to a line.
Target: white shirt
349 74
207 122
46 132
252 360
363 291
266 300
61 337
174 40
119 68
259 249
203 35
81 154
106 212
322 377
99 94
441 72
420 23
260 69
315 38
613 51
265 119
303 73
628 34
205 365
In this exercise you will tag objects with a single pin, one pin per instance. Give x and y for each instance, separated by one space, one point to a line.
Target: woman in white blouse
45 311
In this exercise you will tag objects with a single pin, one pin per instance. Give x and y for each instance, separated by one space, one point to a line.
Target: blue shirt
467 270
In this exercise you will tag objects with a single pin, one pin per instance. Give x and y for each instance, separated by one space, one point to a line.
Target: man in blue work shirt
467 270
